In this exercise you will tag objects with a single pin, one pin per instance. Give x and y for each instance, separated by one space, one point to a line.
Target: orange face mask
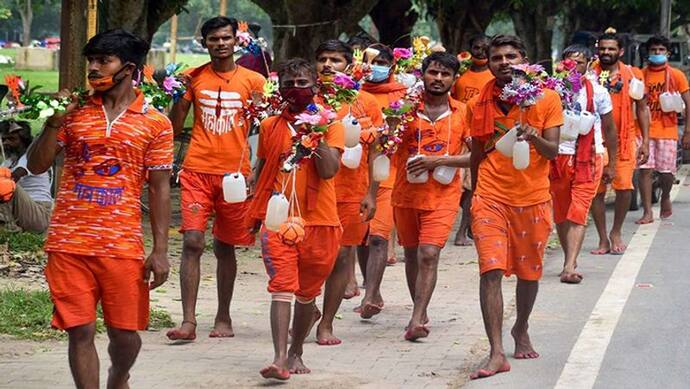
103 84
480 62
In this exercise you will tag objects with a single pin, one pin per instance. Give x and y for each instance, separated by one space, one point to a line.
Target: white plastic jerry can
667 102
586 122
505 144
382 168
276 211
570 130
520 155
352 156
636 89
444 174
416 179
234 188
352 130
678 103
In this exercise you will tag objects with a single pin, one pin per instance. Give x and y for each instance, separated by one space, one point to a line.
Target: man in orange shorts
610 50
427 191
297 269
579 167
382 85
660 77
95 245
467 86
218 90
511 209
356 193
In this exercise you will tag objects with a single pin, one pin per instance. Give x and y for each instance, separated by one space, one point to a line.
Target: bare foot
370 310
604 248
273 371
462 241
496 364
222 329
296 365
618 247
325 337
415 332
392 260
523 346
351 291
185 332
666 208
645 219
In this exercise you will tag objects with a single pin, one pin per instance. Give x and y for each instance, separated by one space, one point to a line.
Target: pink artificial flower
344 81
396 105
170 84
307 118
402 53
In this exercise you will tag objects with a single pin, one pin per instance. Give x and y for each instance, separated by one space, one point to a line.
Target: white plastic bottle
352 130
234 188
667 102
521 155
276 211
586 122
636 89
505 144
382 168
570 130
444 174
352 156
419 179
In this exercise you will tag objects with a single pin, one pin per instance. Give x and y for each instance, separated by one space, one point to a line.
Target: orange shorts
571 201
509 238
354 228
624 172
303 268
78 282
202 195
420 227
383 222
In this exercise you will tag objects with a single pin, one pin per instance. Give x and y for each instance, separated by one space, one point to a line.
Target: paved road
577 329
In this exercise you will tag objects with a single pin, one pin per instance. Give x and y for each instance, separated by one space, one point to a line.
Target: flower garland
172 88
526 87
397 115
31 105
268 103
566 81
313 125
338 90
465 59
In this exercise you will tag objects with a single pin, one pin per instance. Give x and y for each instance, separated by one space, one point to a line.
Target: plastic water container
352 130
667 102
636 89
444 174
382 168
352 156
521 155
420 179
678 102
234 188
276 211
406 79
586 122
570 130
505 144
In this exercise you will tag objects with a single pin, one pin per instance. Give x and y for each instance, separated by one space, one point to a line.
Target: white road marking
582 367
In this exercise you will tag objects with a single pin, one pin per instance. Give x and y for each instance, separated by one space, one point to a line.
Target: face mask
300 97
379 73
103 84
658 59
480 62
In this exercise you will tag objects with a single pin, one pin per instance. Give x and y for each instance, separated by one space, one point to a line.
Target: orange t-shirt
219 136
384 100
351 185
98 206
447 134
325 213
664 125
470 84
497 178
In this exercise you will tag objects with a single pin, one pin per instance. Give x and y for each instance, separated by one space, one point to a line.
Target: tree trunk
394 21
300 25
72 39
142 18
458 21
27 14
534 25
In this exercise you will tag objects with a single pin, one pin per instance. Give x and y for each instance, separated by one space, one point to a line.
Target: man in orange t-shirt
511 209
467 86
661 78
427 190
297 269
112 145
382 85
620 77
356 192
218 90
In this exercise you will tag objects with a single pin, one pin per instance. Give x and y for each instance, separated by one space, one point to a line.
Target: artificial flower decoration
263 105
465 59
339 89
172 88
566 81
526 87
245 42
29 104
397 115
312 127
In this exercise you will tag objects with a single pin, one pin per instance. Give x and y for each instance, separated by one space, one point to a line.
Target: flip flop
483 373
600 252
275 372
